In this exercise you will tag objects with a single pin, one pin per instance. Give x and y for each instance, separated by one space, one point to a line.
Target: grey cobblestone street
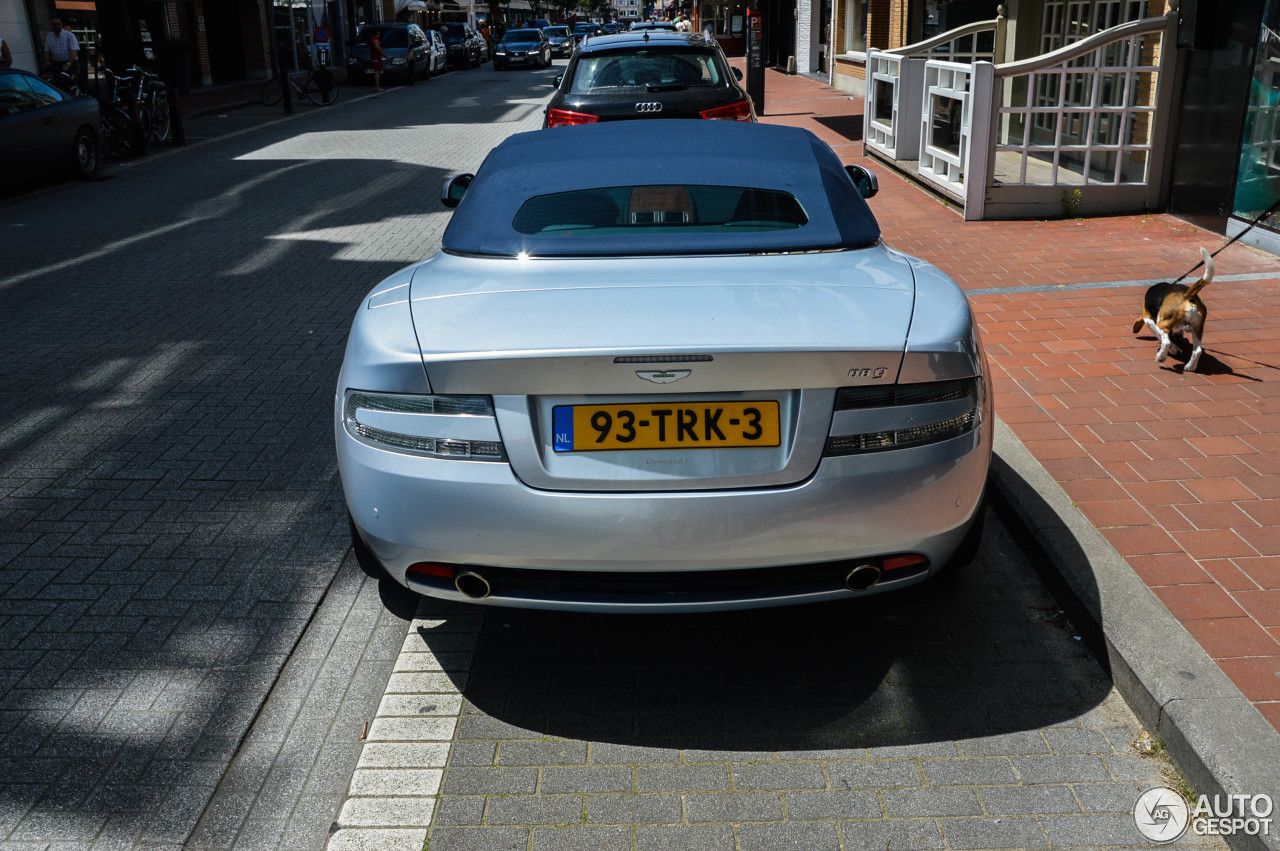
191 657
170 515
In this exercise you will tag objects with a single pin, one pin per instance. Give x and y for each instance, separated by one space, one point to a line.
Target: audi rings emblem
655 106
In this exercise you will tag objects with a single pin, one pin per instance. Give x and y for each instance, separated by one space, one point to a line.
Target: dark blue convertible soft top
660 153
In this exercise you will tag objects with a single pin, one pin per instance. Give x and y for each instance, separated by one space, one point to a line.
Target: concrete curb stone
1219 740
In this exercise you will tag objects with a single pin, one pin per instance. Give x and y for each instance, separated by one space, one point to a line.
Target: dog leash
1260 217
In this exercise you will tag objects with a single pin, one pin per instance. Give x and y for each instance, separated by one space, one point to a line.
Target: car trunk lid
704 339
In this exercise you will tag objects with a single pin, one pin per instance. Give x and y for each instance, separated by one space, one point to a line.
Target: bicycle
64 81
317 86
152 99
122 129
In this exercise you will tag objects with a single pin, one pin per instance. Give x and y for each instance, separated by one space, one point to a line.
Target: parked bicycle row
48 123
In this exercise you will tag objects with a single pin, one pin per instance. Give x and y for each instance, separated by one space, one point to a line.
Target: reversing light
567 118
740 111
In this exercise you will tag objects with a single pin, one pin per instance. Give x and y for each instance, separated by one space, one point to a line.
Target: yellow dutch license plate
665 425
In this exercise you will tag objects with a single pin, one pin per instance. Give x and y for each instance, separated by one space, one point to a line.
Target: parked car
522 47
584 29
43 128
465 46
638 381
439 52
408 50
650 75
561 40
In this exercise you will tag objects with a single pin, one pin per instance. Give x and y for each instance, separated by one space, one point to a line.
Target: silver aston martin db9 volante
662 366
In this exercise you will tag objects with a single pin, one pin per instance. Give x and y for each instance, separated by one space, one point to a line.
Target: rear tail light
565 118
873 419
451 427
740 111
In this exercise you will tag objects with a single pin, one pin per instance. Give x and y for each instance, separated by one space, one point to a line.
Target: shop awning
76 5
410 6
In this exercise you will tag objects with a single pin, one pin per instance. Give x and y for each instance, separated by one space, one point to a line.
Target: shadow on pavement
172 509
848 126
985 653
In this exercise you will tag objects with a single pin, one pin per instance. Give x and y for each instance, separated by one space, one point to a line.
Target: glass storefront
729 21
1258 178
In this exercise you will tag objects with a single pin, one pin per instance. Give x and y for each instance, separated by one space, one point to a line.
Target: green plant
1071 203
1154 747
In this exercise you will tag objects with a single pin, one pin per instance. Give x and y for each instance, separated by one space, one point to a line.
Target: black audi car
647 75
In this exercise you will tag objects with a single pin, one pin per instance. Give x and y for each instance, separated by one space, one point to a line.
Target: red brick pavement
1177 470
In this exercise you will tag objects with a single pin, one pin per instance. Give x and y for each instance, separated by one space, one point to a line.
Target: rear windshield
646 69
522 35
557 31
391 37
637 209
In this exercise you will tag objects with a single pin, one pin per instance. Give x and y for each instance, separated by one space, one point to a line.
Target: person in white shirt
61 49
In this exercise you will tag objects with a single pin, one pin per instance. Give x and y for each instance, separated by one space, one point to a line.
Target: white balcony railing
1082 129
894 77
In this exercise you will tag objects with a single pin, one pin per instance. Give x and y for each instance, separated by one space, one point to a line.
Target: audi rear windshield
646 68
653 209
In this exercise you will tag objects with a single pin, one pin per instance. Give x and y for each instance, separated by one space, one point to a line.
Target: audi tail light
740 111
566 118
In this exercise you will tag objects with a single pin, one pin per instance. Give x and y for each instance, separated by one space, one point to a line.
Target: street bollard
179 135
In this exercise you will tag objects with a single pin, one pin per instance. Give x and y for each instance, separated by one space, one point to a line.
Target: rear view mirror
864 179
737 74
454 188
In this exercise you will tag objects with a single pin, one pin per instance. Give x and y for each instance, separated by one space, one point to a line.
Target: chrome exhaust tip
862 578
472 584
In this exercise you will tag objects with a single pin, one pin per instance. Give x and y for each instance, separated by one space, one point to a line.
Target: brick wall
202 46
257 38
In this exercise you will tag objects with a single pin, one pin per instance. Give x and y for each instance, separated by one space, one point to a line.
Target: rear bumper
410 509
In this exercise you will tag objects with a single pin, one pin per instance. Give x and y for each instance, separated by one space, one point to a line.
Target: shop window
855 26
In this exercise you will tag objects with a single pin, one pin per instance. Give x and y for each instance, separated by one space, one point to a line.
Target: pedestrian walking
61 49
378 57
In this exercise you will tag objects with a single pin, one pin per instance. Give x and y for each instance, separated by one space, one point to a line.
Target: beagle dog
1170 309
